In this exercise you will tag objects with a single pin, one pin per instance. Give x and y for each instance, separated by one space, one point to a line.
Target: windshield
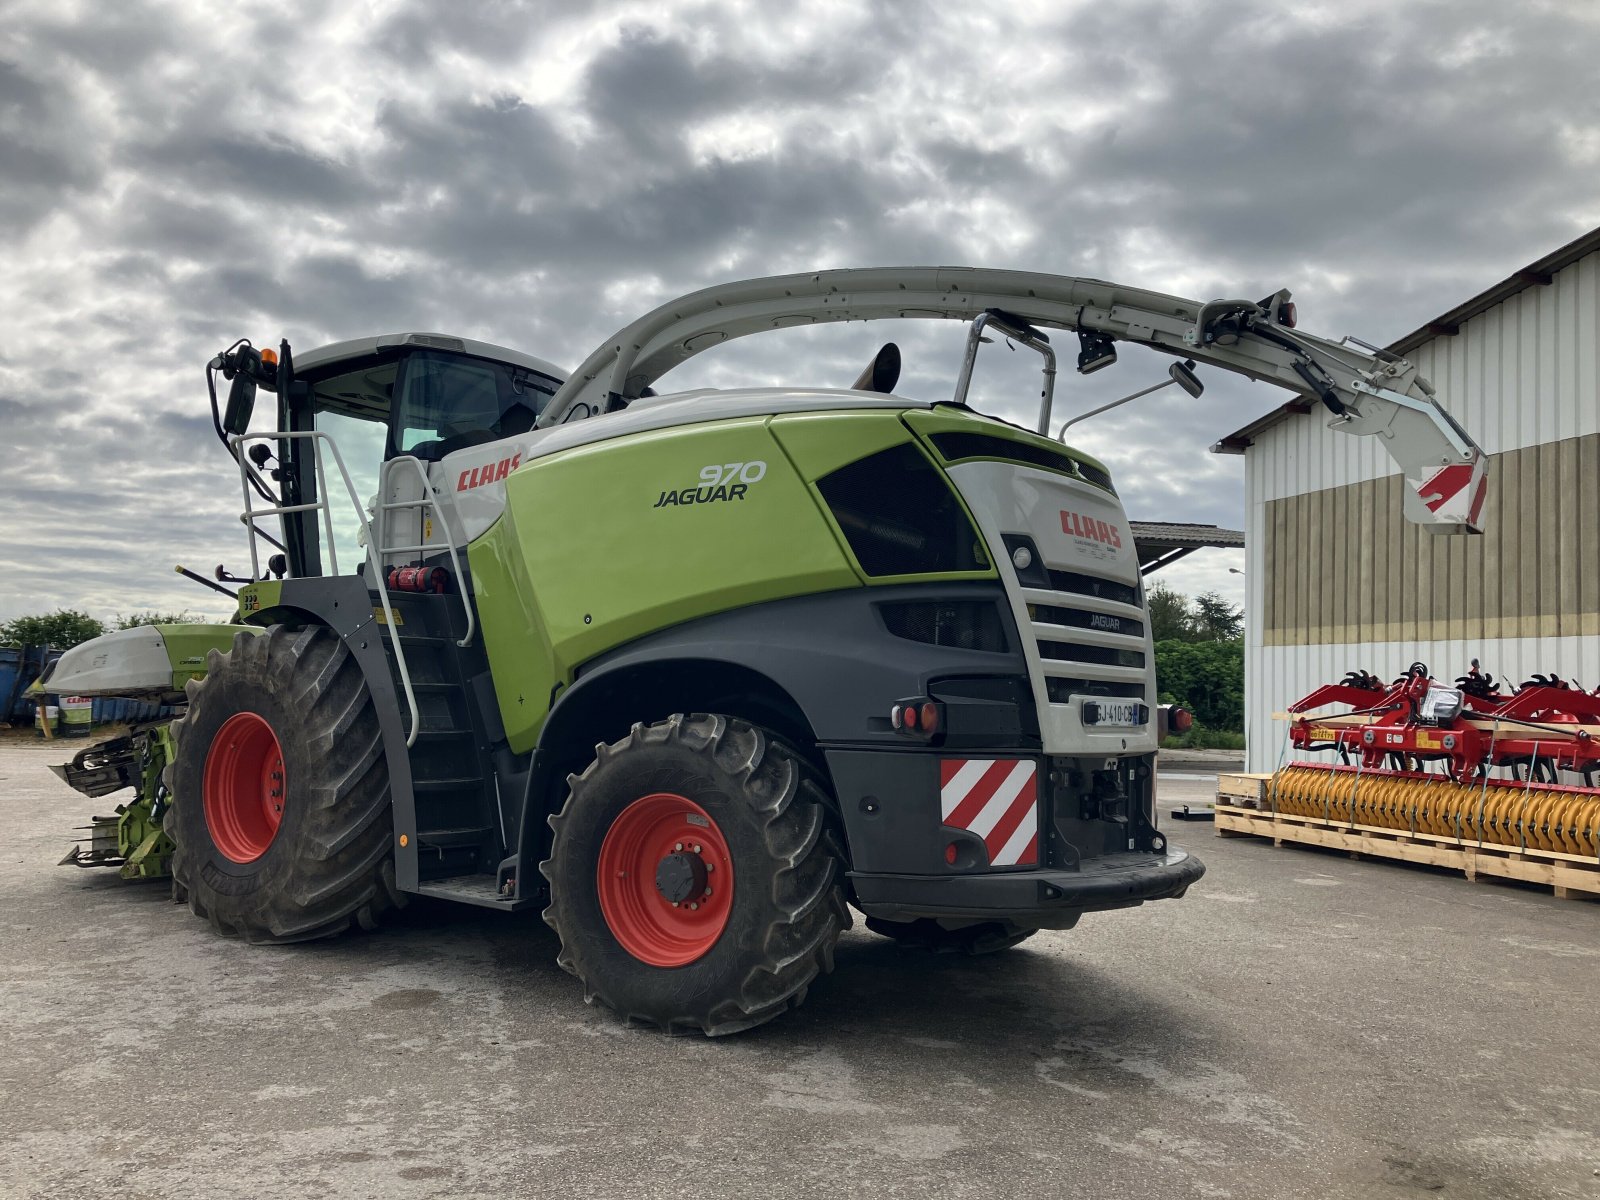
448 402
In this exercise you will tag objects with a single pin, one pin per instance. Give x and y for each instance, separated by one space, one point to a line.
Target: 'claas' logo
488 473
1078 525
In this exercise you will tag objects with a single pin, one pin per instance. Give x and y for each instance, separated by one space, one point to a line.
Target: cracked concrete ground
1300 1025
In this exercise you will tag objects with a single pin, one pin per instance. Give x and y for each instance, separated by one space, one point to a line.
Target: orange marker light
404 840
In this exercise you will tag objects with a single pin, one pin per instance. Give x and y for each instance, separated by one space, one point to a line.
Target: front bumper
1042 898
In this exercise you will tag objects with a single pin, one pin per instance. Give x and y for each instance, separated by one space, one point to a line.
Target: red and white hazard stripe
998 800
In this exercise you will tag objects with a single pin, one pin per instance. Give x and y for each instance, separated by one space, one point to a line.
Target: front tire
281 816
695 880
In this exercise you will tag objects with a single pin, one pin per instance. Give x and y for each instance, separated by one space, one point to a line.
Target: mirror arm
1094 412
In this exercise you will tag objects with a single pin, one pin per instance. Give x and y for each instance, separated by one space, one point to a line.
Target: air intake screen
900 516
966 624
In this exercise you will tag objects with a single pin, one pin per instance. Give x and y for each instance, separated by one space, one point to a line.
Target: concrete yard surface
1301 1025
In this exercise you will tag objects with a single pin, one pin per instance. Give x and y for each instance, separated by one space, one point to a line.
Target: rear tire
927 934
281 816
752 950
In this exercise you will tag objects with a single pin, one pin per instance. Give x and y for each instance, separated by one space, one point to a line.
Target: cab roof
357 348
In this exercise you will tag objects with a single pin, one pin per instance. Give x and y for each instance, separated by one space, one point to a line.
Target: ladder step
473 783
453 837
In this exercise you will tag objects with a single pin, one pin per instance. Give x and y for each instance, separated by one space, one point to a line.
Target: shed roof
1162 542
1539 273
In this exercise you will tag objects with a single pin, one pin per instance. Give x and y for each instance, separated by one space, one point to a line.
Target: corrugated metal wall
1335 581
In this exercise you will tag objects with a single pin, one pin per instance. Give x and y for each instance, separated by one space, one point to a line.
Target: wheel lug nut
679 846
693 905
708 891
697 847
710 867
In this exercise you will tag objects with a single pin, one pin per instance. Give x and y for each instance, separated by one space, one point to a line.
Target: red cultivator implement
1466 761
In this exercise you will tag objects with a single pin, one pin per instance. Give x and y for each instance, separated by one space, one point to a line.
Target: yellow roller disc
1499 812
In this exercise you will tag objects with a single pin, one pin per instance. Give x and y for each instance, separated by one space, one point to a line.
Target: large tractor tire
927 934
695 878
281 815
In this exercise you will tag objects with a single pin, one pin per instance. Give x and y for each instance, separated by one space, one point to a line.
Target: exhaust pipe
882 373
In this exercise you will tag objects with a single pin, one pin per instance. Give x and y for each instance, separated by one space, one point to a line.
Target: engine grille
1053 624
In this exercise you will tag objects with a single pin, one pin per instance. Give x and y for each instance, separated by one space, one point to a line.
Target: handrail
1032 339
428 501
374 559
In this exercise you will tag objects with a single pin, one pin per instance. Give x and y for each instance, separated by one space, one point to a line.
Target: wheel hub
681 876
665 880
244 787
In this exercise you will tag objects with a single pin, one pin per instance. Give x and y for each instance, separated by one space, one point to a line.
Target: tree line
67 627
1199 655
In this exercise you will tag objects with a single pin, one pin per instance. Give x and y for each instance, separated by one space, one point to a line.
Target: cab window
449 402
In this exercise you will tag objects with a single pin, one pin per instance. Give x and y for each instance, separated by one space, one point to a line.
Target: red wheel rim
244 787
665 880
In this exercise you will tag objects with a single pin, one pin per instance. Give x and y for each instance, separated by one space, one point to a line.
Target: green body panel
257 598
604 544
820 443
188 645
953 420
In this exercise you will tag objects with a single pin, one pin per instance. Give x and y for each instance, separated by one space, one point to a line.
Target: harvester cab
795 650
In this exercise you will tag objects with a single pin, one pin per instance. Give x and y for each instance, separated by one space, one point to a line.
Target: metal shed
1336 580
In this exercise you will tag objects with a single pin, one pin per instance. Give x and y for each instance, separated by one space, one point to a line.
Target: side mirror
241 403
1183 375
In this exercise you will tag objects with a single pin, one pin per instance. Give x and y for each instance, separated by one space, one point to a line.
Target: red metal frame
1492 731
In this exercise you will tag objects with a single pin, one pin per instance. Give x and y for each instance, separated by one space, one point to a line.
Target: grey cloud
1368 161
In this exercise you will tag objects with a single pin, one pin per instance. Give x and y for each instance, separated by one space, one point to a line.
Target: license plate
1114 712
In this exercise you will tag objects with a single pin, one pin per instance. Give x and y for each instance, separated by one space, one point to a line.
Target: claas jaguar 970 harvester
697 674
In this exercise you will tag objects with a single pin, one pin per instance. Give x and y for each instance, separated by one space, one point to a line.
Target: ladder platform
481 890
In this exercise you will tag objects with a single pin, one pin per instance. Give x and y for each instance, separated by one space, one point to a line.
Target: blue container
18 668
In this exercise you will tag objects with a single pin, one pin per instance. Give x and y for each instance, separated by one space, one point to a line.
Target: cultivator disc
1465 762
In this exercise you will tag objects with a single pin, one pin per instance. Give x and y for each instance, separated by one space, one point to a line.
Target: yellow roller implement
1526 815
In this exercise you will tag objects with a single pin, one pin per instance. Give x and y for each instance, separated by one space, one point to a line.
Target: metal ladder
375 553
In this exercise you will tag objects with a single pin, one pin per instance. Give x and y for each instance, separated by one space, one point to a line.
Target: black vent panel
1106 656
901 517
1093 585
1060 691
953 447
962 624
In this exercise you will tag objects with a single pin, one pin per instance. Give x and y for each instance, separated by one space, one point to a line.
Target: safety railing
423 505
321 505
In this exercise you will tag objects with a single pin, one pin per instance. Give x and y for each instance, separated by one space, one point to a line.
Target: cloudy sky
174 176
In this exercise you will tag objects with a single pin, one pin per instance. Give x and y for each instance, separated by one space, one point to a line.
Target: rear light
918 717
1175 719
950 853
1287 315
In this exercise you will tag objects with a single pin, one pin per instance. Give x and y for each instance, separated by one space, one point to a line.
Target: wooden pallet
1569 875
1243 790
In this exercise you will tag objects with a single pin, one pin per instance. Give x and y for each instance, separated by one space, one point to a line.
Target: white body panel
129 663
1081 529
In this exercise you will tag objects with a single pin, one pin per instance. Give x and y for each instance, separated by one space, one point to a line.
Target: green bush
1201 738
1207 678
60 630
